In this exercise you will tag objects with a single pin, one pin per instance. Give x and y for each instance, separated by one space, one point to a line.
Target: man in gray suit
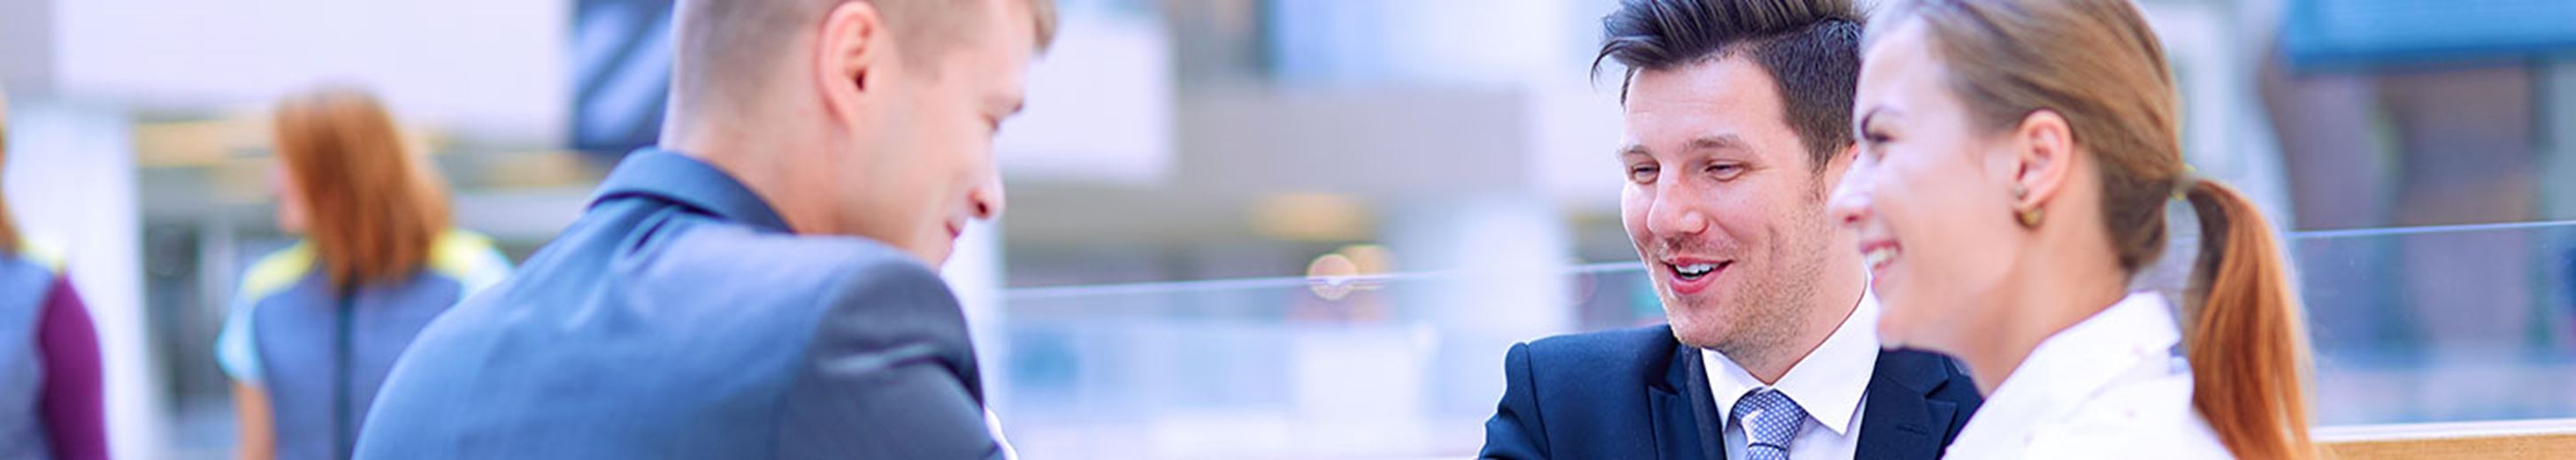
760 286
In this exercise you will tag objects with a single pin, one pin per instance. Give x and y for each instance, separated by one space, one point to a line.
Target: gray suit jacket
678 318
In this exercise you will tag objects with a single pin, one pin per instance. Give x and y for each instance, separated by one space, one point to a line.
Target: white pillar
71 184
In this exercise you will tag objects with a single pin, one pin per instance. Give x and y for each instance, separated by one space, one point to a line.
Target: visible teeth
1694 269
1878 256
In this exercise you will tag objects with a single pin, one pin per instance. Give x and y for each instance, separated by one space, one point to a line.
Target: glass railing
2442 324
2421 325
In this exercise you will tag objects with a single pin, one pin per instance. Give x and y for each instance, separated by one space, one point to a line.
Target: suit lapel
1685 415
1900 421
1672 424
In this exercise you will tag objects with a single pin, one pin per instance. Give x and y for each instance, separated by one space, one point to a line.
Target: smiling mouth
1877 256
1695 270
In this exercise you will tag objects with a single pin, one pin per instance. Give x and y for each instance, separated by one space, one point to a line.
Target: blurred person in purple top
50 406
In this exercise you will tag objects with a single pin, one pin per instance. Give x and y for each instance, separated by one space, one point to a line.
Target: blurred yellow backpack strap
44 252
234 350
469 258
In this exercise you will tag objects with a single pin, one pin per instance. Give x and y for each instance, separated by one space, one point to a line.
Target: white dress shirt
2112 386
1831 384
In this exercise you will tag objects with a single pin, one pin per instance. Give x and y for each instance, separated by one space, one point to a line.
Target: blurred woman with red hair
315 327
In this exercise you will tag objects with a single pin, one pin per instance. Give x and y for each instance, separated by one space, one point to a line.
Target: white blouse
2112 386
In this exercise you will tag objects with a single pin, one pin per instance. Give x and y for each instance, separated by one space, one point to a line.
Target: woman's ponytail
2244 333
2098 64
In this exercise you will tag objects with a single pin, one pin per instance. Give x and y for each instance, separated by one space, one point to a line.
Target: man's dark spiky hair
1811 47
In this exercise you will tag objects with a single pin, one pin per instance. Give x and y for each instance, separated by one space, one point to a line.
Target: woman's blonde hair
2097 64
373 207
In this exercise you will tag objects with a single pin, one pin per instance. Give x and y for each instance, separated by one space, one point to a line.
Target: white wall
490 68
71 184
26 45
1099 105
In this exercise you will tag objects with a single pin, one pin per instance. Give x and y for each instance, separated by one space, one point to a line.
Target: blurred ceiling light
1370 259
1311 217
237 134
242 180
539 169
1332 276
197 143
1355 267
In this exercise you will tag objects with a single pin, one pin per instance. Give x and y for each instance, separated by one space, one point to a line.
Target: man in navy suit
1738 124
761 286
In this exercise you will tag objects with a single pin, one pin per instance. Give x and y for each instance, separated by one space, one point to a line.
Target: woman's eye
1641 174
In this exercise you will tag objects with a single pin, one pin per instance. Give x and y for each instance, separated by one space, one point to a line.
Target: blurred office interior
1290 228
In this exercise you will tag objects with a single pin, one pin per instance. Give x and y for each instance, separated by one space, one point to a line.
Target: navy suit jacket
679 318
1639 394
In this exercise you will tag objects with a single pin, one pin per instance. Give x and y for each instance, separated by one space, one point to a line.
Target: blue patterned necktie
1770 419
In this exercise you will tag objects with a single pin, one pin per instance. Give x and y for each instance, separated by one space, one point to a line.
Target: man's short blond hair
725 46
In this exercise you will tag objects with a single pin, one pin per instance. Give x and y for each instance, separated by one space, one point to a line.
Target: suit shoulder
890 286
1928 365
695 235
845 285
708 253
1936 376
1611 342
869 278
1641 349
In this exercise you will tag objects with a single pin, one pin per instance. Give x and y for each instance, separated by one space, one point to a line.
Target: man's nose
985 201
1675 211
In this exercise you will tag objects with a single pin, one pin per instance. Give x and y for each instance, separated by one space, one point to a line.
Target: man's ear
2044 157
851 50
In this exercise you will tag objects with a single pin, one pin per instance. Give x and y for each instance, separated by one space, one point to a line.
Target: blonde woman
315 327
2016 159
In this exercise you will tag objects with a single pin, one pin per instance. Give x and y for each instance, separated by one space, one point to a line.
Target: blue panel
2371 33
621 56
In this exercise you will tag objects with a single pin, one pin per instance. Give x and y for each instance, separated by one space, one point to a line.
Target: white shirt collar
1828 383
2072 365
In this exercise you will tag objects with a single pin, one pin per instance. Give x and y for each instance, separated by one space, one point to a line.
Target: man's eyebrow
1705 142
1717 142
